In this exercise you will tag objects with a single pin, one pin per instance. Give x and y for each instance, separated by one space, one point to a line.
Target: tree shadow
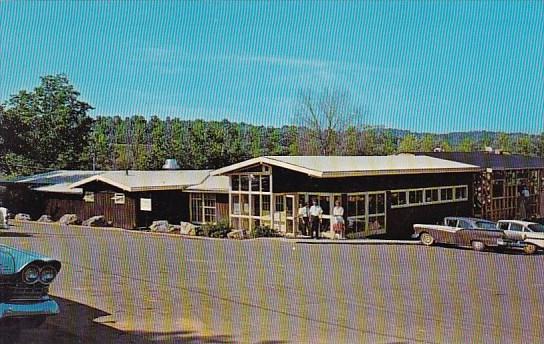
76 324
7 234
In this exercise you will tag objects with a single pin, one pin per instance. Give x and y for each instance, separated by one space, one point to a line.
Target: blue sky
422 66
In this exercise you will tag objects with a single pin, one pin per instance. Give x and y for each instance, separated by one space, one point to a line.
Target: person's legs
315 226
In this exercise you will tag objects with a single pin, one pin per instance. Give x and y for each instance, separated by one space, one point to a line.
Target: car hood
13 260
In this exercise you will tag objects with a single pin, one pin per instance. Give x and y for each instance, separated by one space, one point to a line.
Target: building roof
56 177
136 181
350 166
491 160
219 184
60 188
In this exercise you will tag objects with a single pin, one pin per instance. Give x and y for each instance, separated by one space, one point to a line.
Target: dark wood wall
290 181
172 206
20 198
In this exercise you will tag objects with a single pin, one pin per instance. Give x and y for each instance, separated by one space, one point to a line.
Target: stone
69 219
160 226
238 234
187 228
22 217
45 218
95 221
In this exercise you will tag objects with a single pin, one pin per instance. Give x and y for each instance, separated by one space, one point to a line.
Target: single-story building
381 195
128 199
133 199
32 194
509 186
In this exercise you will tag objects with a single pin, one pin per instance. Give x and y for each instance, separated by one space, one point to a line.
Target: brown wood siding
56 205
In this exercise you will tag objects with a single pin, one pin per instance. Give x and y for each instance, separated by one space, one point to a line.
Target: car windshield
536 227
486 225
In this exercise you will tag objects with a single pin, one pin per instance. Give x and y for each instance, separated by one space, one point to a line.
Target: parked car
24 285
460 231
523 234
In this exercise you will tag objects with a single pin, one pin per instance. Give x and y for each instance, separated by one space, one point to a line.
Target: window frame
432 190
119 198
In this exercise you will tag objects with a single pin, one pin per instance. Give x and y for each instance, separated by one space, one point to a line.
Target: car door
464 236
514 231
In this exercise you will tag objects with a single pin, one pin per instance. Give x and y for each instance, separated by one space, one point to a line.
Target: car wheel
427 239
529 249
478 246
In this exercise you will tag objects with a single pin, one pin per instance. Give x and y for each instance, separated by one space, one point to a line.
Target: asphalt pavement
125 287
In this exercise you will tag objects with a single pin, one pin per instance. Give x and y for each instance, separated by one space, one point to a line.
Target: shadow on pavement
15 235
76 324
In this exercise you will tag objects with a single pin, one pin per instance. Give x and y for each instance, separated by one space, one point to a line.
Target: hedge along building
499 186
133 199
381 195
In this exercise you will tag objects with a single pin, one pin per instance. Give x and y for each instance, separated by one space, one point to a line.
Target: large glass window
235 202
416 196
366 213
250 197
461 193
203 208
446 194
244 183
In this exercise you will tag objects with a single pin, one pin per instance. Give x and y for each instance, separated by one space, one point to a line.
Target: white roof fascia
269 161
396 172
102 179
294 167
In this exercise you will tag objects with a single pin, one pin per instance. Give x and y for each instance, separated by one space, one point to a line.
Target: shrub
216 230
264 232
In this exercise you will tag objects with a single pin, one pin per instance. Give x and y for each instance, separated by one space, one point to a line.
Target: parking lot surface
125 287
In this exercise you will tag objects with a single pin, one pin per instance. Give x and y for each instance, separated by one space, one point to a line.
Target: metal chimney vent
170 164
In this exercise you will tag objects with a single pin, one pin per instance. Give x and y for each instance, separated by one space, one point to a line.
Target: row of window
425 196
254 182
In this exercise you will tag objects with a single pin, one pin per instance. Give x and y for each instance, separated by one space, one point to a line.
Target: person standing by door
316 214
304 218
338 220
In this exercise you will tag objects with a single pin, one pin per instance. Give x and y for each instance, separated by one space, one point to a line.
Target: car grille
18 291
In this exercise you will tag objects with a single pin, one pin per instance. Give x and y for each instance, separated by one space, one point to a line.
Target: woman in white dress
338 220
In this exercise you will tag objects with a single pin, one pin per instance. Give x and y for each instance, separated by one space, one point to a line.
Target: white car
528 235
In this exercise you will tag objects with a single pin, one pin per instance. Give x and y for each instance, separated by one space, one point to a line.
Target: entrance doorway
284 213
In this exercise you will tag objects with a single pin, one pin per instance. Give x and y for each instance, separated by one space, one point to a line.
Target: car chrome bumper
24 310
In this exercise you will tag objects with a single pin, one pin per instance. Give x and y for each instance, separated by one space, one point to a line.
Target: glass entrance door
290 214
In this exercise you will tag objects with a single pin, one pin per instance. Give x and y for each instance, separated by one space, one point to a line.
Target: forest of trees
51 128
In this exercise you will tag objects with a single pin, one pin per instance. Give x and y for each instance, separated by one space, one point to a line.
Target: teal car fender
24 285
13 260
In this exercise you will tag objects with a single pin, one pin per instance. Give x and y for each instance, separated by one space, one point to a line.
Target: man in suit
316 214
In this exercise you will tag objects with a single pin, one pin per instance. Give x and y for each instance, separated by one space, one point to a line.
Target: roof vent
170 164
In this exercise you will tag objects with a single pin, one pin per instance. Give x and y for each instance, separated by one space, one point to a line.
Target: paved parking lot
124 287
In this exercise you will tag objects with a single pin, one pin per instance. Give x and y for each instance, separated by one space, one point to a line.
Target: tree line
51 128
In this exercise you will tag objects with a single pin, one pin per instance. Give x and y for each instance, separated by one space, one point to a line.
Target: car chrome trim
10 310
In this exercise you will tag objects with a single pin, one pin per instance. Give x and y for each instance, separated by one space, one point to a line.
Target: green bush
264 232
216 230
